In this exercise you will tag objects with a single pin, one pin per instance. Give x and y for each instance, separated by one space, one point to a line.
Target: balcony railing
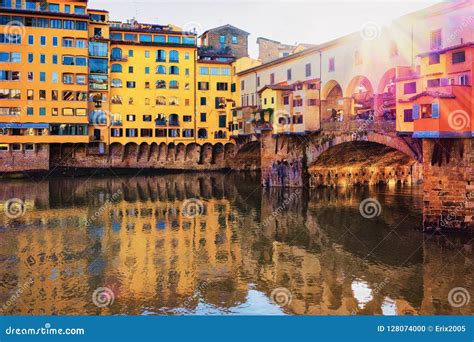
118 58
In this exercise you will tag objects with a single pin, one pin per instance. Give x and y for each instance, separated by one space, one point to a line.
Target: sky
287 21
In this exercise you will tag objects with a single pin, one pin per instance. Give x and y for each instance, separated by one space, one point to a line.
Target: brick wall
238 50
268 50
17 161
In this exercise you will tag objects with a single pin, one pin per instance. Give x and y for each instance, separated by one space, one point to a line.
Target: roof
223 27
433 93
276 87
446 49
270 40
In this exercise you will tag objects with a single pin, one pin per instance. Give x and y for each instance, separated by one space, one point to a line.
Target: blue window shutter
435 110
416 112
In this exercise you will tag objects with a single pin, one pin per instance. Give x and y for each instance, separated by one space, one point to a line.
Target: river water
220 244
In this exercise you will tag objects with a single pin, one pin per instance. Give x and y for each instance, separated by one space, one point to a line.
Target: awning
23 125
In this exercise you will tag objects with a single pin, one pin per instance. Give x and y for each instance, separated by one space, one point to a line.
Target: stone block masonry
19 161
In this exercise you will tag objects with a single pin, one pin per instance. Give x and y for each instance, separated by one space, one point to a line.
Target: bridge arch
361 91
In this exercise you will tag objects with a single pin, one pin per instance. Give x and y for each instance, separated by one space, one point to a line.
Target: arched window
202 133
174 70
174 56
173 101
173 85
161 101
116 54
160 84
160 69
116 68
173 120
160 55
116 83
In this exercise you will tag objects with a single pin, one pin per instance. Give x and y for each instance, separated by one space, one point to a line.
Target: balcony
118 58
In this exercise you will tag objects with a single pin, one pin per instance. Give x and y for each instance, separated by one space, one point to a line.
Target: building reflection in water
130 235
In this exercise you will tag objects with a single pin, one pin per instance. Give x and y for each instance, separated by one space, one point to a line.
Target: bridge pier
448 166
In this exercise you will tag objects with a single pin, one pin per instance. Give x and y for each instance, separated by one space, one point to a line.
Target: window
234 40
173 85
147 70
174 56
30 58
203 117
30 94
81 61
433 83
54 77
131 117
159 39
307 69
409 88
161 70
81 43
203 85
214 71
42 111
433 58
42 59
288 74
459 57
225 71
204 71
222 121
42 76
130 37
31 40
116 68
147 118
68 60
131 84
56 24
408 115
242 85
43 40
160 84
332 64
147 54
131 132
186 55
68 24
161 56
81 79
130 69
116 83
130 53
145 38
222 40
173 70
272 78
67 8
174 39
53 7
222 86
463 80
435 40
203 101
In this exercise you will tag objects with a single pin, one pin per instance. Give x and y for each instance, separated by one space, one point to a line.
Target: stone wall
238 50
449 184
167 157
18 161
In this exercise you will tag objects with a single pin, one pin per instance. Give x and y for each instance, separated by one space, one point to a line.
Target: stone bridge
370 152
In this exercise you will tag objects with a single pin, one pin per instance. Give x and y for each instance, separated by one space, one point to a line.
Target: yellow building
152 84
43 74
